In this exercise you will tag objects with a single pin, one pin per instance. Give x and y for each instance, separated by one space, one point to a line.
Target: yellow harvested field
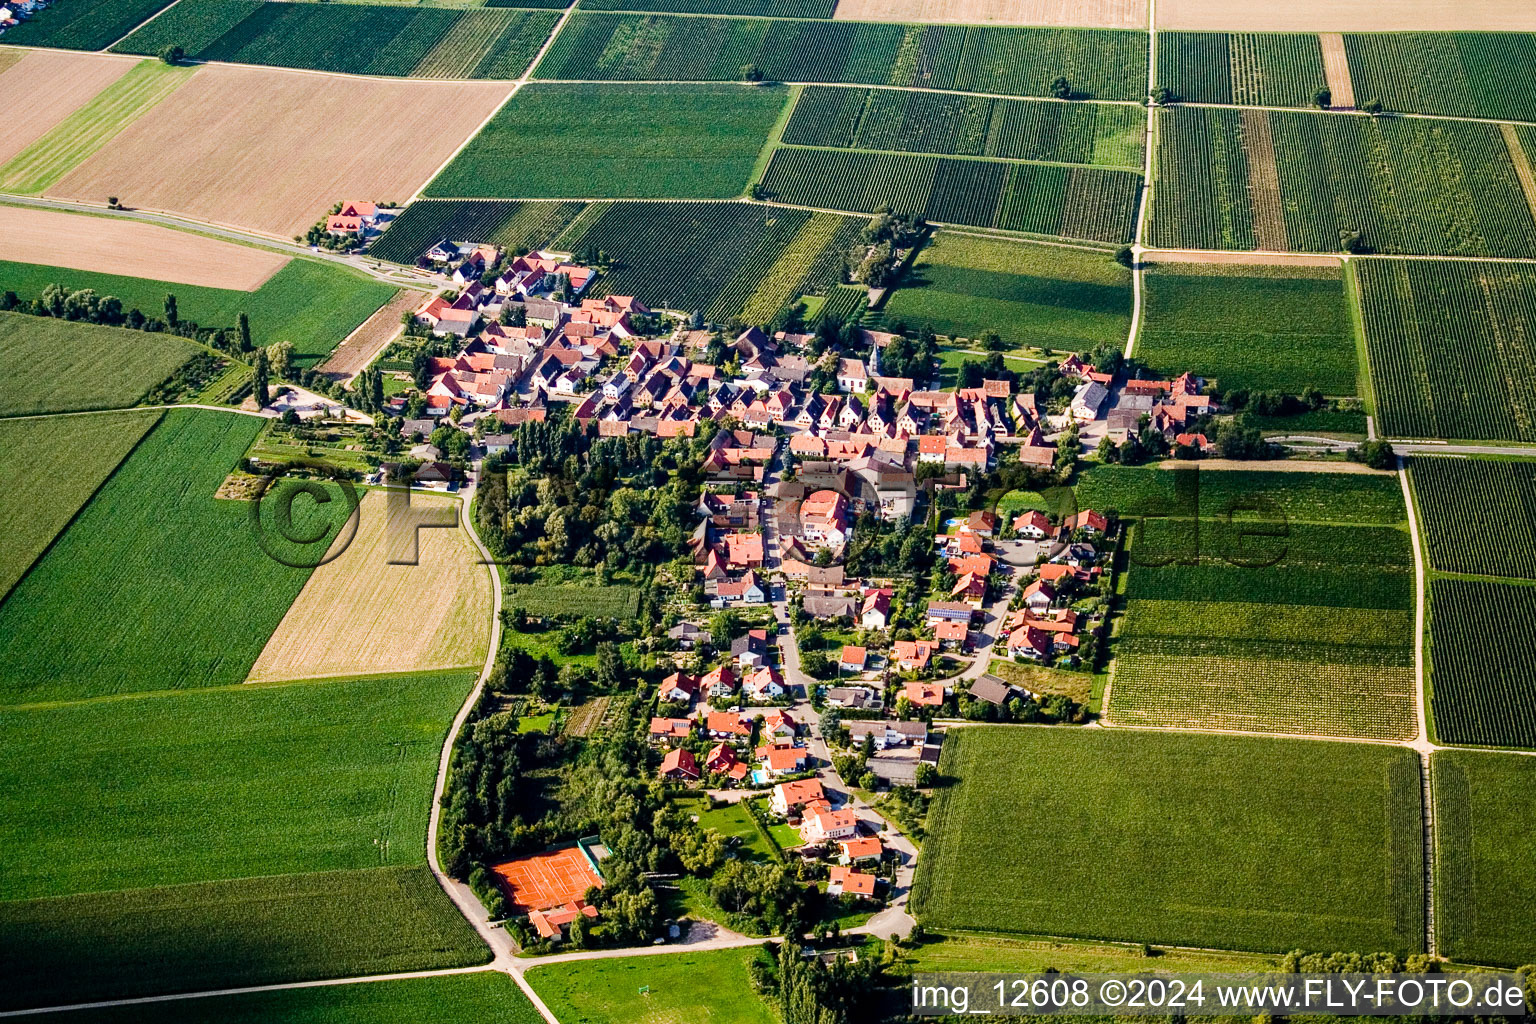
360 347
358 614
131 248
270 150
44 87
1249 259
1075 13
1349 15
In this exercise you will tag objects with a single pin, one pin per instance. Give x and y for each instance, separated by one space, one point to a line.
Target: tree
1352 242
723 629
1373 108
1376 454
263 396
172 54
1126 257
1162 96
172 316
244 325
376 391
1061 88
280 358
1323 98
927 774
751 73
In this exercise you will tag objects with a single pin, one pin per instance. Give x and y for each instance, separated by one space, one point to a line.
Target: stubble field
42 88
1349 15
1078 13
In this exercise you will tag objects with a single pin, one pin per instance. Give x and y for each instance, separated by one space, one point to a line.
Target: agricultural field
42 487
674 987
207 150
357 39
47 86
749 8
1246 68
54 154
59 366
1165 837
1083 13
962 286
1262 328
1089 203
98 614
1362 499
83 24
1483 655
503 222
715 258
1351 16
1007 61
934 122
358 613
360 347
450 999
1456 74
1484 805
124 248
1250 179
1479 515
573 599
617 141
1450 347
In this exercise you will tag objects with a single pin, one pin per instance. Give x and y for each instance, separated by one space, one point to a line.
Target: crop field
648 142
48 469
359 613
936 122
207 150
1044 199
358 39
962 286
44 87
450 999
209 935
1263 328
573 599
1453 187
1457 74
1086 13
1451 350
83 24
1351 16
1300 497
751 8
83 132
1009 61
678 987
1166 837
714 258
1484 806
1479 515
59 366
1483 653
96 614
507 223
1246 68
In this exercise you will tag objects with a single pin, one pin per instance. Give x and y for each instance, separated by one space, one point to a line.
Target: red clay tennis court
549 879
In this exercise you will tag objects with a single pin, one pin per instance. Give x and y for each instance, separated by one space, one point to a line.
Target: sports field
617 142
44 87
157 584
1261 328
208 149
48 469
671 989
1209 841
360 614
1484 806
60 366
453 999
542 880
91 127
964 286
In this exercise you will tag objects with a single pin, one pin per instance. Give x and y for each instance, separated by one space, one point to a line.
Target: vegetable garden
1483 650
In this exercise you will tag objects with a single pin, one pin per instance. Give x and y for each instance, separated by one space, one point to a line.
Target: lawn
1484 806
1267 329
58 366
156 584
255 931
712 986
1037 295
573 599
1209 841
1039 679
452 999
994 953
617 141
48 469
313 305
735 821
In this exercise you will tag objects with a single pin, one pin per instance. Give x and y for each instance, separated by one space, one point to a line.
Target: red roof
951 630
858 849
856 883
727 722
682 762
853 655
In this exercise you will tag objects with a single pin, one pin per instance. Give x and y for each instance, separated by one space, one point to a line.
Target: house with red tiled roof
1038 596
680 766
721 758
788 796
843 880
670 730
951 634
820 823
877 610
554 923
1087 520
853 659
718 682
680 688
864 849
1033 525
781 759
924 695
913 655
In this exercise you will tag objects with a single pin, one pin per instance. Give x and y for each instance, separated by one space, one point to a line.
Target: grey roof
991 689
830 607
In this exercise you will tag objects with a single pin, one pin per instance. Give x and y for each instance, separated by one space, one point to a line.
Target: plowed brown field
44 87
271 150
1349 15
1076 13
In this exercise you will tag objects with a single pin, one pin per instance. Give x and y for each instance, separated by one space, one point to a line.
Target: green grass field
1484 806
734 821
573 599
1207 841
48 469
995 953
309 304
1037 295
454 999
1267 329
58 366
157 584
85 131
712 986
617 141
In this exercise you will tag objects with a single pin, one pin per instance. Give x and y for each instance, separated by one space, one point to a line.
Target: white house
1088 400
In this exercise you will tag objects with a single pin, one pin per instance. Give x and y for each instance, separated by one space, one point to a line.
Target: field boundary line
1356 113
1522 162
146 21
979 158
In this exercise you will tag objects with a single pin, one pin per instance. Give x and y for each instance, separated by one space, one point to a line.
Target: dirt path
1522 164
1264 183
1336 70
363 345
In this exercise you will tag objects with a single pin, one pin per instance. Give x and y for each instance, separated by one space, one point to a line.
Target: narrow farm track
1149 146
